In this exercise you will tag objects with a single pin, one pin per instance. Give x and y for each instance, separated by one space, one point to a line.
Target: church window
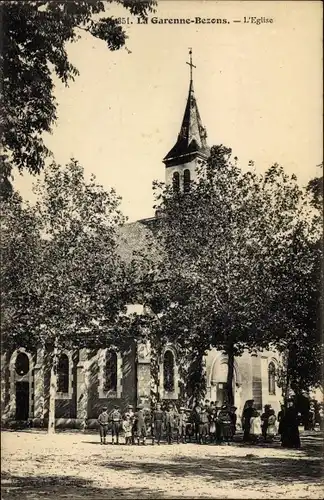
168 371
176 181
22 364
186 181
63 374
272 378
110 372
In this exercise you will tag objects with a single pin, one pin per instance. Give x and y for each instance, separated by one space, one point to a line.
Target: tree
298 280
315 189
222 242
35 35
77 286
20 248
20 255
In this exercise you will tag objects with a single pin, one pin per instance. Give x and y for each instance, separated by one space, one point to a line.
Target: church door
22 400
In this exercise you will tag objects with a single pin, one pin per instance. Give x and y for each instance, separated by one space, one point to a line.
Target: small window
110 372
186 181
272 378
22 364
63 374
176 181
168 371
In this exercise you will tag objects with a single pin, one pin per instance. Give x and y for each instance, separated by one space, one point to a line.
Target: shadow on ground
306 467
248 470
63 487
234 468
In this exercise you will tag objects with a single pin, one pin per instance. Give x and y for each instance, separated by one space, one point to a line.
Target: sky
258 87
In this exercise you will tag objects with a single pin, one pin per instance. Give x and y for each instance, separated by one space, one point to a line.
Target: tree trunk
230 375
290 362
196 379
4 376
53 389
85 392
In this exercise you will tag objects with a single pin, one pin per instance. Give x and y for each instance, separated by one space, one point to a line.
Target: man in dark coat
289 427
116 421
181 425
246 419
225 421
195 419
203 425
170 423
264 419
280 417
233 416
218 426
157 422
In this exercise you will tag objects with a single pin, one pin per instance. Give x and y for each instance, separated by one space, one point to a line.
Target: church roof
136 239
192 136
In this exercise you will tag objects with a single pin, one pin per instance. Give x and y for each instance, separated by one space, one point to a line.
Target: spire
192 136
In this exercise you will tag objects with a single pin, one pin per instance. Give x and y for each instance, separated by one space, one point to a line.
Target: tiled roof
138 237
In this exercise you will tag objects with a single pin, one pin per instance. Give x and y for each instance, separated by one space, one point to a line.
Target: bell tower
190 148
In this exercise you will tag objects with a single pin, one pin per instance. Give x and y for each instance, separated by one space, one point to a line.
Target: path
36 466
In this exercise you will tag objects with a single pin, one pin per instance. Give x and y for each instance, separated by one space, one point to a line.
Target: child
103 421
130 413
255 427
271 428
127 428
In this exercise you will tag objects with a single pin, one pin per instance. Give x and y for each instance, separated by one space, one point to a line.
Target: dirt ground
75 466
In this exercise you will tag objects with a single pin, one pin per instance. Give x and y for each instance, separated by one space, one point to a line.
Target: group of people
205 423
266 426
314 416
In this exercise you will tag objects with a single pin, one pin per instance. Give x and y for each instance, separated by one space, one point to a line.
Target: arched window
272 378
186 181
63 374
168 371
110 372
22 364
176 181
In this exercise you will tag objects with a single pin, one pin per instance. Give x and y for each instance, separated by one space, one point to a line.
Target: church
88 379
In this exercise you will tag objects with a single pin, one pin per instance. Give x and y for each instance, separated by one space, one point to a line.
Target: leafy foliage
63 275
226 244
315 189
20 257
298 326
34 48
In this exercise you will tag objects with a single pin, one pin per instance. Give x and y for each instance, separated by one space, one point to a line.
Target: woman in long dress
255 429
271 427
289 427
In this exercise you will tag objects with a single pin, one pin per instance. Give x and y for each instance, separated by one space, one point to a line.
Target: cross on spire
190 63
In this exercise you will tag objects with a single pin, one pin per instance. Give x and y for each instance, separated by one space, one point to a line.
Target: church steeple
191 143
